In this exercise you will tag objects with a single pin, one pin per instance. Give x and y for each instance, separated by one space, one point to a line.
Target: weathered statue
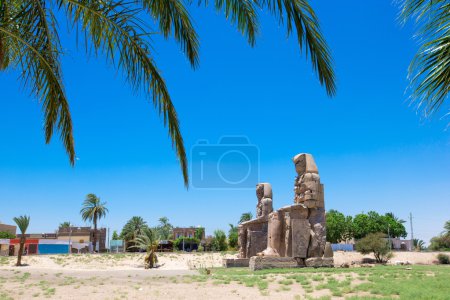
274 236
293 235
252 235
307 187
264 195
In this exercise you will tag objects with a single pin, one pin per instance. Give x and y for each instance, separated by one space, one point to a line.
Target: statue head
304 163
263 190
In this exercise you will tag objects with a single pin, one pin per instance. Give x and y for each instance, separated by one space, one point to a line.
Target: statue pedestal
270 262
320 262
235 262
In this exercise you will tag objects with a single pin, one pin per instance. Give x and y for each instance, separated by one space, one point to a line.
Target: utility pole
412 232
389 235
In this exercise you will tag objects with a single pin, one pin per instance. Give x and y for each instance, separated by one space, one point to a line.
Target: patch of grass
3 261
286 282
283 288
24 277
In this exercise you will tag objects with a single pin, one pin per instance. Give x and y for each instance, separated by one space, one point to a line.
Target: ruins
292 236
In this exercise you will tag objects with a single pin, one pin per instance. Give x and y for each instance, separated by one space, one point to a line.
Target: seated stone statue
252 235
296 231
307 187
264 195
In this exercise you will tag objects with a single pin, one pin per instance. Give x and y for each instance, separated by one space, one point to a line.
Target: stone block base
267 262
235 262
319 262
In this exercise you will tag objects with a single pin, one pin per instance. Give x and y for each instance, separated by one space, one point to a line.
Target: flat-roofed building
8 228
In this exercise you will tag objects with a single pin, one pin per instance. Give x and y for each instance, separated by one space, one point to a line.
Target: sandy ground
178 261
122 276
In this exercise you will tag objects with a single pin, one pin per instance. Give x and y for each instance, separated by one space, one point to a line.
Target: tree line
343 228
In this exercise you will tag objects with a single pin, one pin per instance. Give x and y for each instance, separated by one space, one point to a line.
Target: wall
8 228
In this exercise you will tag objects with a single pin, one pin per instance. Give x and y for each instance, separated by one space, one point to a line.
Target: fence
343 247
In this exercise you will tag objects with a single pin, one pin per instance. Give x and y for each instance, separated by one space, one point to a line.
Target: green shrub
7 235
219 241
375 243
187 240
443 259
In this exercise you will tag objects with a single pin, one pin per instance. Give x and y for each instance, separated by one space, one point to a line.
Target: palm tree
447 227
419 245
164 229
392 216
429 71
115 29
65 224
133 228
245 217
147 241
22 222
93 210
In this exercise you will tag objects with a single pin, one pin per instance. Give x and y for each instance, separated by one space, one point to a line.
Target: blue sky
374 152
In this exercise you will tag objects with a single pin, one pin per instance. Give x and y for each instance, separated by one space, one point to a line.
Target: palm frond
22 222
242 13
173 18
93 209
116 31
300 14
429 71
31 34
146 240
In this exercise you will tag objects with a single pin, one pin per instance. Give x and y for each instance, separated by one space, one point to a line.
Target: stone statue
318 240
264 196
274 237
307 187
294 235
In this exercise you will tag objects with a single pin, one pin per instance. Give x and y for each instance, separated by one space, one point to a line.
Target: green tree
22 222
372 222
391 215
419 245
115 236
395 226
429 71
233 236
441 242
93 210
65 224
164 229
339 227
447 227
377 244
116 30
133 228
219 241
199 232
147 241
7 235
246 217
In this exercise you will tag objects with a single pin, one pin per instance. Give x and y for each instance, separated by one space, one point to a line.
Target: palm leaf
32 36
116 31
429 71
300 14
22 222
173 18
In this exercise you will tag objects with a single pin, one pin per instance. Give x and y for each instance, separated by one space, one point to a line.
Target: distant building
83 235
8 228
188 232
80 240
402 245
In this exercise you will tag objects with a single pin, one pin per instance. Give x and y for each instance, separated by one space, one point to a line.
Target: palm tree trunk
94 237
19 255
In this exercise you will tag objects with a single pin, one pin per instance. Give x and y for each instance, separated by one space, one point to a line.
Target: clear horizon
373 151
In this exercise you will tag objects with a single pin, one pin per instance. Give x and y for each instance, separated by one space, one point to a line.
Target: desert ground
200 276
